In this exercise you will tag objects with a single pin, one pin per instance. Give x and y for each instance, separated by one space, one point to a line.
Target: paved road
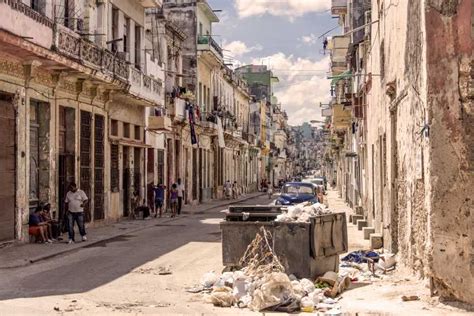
121 275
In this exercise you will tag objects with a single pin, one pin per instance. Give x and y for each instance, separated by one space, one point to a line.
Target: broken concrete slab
367 231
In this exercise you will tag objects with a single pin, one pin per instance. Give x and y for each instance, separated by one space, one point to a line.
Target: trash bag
307 285
298 289
359 256
289 306
275 289
209 279
316 296
222 297
226 279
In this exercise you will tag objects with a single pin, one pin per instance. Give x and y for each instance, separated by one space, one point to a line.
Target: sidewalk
354 236
18 255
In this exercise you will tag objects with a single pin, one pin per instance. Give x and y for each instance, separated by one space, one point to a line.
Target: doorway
7 168
126 181
66 163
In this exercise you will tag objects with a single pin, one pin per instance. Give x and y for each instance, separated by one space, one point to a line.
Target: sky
284 35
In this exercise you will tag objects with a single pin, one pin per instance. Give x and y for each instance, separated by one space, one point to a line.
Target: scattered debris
157 271
164 270
410 298
56 308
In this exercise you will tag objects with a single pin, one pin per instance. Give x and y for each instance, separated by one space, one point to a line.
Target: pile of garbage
262 285
301 213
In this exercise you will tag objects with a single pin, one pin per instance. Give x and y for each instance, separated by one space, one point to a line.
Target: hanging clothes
220 133
194 139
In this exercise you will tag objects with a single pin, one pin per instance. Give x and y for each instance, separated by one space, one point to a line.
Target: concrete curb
122 233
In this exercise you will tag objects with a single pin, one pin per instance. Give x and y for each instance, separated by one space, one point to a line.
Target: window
138 51
161 166
200 29
114 127
126 35
138 132
126 130
114 168
115 18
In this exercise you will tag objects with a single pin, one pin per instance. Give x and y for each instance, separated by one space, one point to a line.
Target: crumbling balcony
339 46
71 44
159 123
208 45
20 19
338 7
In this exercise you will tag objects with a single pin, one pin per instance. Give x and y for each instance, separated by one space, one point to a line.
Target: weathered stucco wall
450 96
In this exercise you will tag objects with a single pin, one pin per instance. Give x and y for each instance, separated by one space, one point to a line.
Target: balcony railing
206 42
73 45
338 7
28 11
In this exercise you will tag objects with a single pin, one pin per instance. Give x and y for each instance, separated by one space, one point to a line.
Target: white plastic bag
209 279
276 288
307 285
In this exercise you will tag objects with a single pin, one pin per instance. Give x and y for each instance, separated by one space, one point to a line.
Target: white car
316 181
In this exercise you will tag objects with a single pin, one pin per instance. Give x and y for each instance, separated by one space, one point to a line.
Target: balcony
159 123
178 110
145 87
21 20
71 44
341 117
338 7
339 46
206 43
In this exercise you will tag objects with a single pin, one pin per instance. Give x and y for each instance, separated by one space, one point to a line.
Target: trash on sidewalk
410 298
164 270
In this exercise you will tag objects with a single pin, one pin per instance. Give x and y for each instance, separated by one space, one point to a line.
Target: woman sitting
38 228
53 225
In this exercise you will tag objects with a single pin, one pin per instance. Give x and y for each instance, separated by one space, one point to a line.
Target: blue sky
282 34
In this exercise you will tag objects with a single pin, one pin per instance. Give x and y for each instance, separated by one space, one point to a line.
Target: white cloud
310 39
288 8
303 85
238 48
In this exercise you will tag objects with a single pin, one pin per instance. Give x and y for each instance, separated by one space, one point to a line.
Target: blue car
297 192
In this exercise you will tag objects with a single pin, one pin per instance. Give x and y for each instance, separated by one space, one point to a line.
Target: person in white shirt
75 202
180 188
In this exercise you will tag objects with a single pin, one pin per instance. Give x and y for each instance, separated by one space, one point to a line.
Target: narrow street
121 276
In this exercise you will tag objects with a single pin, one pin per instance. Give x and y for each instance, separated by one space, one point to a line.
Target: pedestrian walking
270 190
174 198
235 190
159 192
180 188
228 190
75 201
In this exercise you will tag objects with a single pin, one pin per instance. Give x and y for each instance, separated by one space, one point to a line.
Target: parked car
319 181
297 192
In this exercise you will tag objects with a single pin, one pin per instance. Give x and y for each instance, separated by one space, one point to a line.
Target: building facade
401 111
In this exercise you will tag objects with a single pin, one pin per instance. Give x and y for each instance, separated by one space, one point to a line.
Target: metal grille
99 167
114 168
85 156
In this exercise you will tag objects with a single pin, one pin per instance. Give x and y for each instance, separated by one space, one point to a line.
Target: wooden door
7 169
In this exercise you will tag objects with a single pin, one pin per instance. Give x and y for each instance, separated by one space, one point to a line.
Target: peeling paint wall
420 182
450 95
